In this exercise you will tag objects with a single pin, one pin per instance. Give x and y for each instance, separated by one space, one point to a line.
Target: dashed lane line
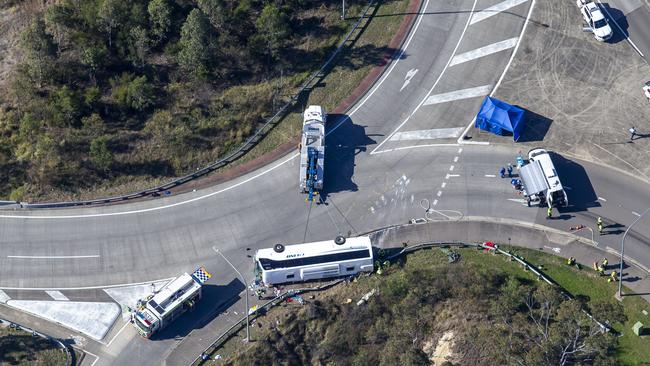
57 295
53 256
602 199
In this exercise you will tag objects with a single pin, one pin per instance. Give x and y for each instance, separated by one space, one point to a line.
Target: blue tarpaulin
497 117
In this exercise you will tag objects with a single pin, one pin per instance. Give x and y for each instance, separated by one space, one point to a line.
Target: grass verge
582 283
18 347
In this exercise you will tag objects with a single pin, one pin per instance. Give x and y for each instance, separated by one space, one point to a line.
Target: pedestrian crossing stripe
201 274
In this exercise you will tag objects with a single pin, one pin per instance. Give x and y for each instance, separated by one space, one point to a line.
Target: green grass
21 348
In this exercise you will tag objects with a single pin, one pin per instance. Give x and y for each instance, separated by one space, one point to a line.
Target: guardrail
309 84
57 342
238 326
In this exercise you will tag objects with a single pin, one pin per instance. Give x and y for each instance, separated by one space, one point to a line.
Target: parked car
595 19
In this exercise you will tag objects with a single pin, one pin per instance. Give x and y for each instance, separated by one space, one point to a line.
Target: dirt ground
581 96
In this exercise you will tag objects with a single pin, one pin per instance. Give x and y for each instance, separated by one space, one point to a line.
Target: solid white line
439 193
413 147
57 295
503 74
490 175
602 199
494 10
455 159
451 168
461 94
636 213
363 101
484 51
443 185
437 133
116 334
621 29
92 354
434 84
52 256
85 287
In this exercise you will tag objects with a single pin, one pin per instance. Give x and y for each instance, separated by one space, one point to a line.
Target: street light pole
248 334
620 281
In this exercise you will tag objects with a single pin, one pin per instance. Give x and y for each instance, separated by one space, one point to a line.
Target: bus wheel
340 240
279 248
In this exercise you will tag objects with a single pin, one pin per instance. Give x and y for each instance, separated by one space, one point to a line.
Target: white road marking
484 51
57 295
407 79
555 249
451 168
117 334
452 176
519 200
636 213
602 199
460 150
437 133
503 75
439 193
455 159
490 176
53 256
413 147
92 354
461 94
621 29
435 202
443 185
264 172
4 297
85 287
494 10
374 151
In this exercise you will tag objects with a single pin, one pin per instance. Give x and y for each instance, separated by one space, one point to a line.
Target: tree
273 27
39 48
93 125
66 106
139 94
160 19
100 155
110 16
139 45
195 46
216 11
93 56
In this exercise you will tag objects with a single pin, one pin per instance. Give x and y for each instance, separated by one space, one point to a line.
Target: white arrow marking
409 75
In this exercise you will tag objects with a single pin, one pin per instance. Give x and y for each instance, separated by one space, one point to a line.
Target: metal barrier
238 326
57 342
311 82
410 249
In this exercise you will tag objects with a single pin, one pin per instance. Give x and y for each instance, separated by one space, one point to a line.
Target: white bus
312 261
541 179
158 310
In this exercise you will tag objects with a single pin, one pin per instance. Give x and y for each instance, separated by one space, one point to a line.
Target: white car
595 20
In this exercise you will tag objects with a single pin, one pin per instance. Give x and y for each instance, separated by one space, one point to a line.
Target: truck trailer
158 310
312 151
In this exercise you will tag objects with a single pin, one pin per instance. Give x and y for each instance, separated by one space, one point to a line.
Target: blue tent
497 117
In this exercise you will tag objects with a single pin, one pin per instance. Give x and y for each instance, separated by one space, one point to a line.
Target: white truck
540 180
596 21
158 310
312 151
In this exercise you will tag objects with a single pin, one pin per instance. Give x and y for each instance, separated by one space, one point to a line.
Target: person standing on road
509 170
502 172
549 212
605 262
599 223
632 133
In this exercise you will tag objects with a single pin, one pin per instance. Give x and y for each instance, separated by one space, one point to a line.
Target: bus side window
350 269
290 275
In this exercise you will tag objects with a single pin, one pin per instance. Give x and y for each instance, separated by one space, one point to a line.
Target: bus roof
174 293
315 248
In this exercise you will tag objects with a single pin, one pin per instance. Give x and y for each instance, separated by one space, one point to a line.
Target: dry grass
21 348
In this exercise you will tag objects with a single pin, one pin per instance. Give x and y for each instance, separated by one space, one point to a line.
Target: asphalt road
632 18
373 179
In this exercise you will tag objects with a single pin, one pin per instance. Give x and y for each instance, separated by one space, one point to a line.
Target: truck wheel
278 248
339 240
